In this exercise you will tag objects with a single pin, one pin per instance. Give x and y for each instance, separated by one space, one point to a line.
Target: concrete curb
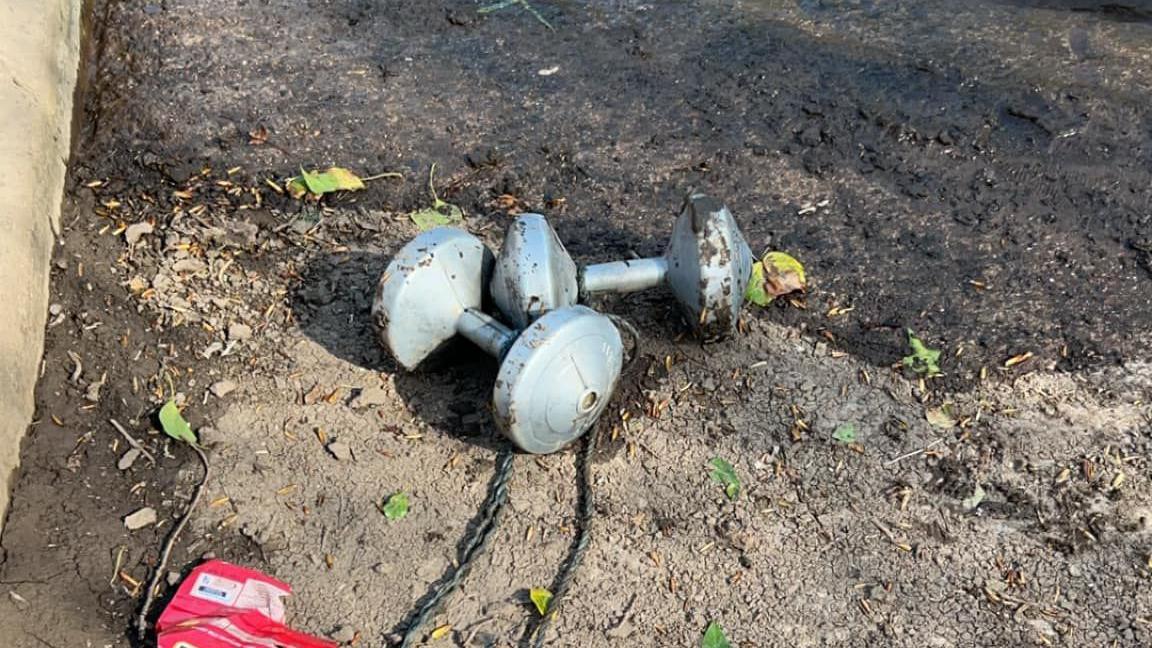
39 54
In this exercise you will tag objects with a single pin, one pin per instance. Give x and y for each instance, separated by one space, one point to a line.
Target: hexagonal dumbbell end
709 264
555 378
534 273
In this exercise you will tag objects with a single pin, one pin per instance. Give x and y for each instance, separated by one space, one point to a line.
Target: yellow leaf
441 632
775 275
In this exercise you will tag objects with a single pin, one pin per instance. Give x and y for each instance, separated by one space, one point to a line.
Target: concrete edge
39 59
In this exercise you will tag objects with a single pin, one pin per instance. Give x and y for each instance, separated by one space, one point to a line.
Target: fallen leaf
174 424
940 417
973 500
440 214
441 632
923 359
542 598
396 507
430 217
714 637
296 188
722 472
845 433
775 275
332 180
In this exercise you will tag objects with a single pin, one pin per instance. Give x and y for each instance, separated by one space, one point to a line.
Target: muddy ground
978 173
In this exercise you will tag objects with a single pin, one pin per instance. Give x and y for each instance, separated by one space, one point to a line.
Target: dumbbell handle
623 276
485 332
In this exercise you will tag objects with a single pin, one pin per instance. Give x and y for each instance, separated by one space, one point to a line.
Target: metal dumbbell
556 376
706 265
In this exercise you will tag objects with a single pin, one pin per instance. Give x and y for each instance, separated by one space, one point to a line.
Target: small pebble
223 388
239 332
370 396
343 634
140 519
128 458
134 231
340 450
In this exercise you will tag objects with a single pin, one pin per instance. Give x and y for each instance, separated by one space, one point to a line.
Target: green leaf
542 598
174 425
714 637
440 214
432 217
775 275
396 507
973 500
296 188
756 292
845 433
722 472
334 179
923 359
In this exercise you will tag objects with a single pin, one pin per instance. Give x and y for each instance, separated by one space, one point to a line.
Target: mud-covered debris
342 451
222 388
239 332
140 519
135 231
128 458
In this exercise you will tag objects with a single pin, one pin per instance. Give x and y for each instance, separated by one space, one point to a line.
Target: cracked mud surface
980 175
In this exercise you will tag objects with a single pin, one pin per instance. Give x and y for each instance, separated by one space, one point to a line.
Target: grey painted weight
534 273
555 378
707 266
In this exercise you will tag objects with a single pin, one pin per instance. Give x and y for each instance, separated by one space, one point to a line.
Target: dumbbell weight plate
557 378
427 286
709 264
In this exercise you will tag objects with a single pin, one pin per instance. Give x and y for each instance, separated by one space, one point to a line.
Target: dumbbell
556 375
706 265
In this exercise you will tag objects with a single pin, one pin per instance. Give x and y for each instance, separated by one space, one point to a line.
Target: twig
132 440
142 618
892 462
378 176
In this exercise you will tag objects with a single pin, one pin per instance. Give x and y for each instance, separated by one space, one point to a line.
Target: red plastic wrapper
221 605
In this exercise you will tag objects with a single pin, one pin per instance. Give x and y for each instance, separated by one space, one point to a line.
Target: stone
342 451
239 332
128 458
135 231
222 388
188 265
370 396
343 634
141 518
